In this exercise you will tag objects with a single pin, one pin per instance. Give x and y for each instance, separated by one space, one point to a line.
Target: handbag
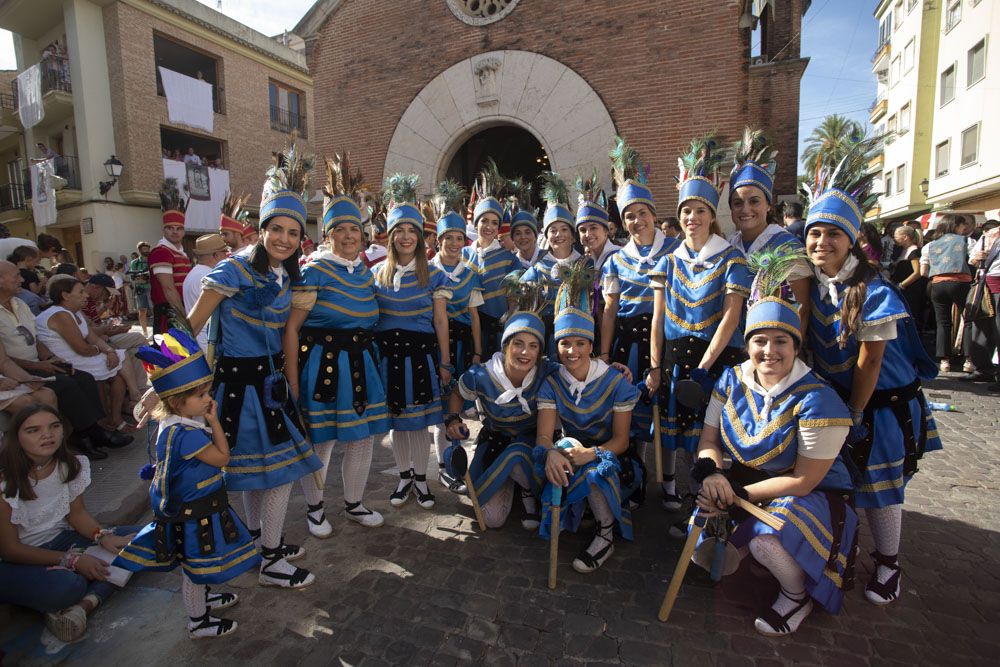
979 303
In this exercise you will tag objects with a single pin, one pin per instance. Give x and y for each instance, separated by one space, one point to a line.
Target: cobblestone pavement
428 589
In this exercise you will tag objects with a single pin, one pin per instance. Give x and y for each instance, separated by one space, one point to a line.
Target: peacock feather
448 196
171 198
704 158
625 163
400 189
519 193
851 175
554 189
588 189
576 285
290 172
771 268
490 182
752 147
523 295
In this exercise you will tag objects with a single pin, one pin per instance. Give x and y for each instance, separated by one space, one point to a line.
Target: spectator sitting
24 257
68 269
19 388
76 391
101 290
42 519
31 291
48 246
65 331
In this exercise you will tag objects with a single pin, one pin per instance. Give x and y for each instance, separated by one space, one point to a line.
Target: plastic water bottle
941 407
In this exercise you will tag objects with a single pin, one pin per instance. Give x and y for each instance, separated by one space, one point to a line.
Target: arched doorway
517 152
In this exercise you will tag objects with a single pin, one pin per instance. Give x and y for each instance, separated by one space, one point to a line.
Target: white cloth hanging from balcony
29 96
43 193
189 100
201 215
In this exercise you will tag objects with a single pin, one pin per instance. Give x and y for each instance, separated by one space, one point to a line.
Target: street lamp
114 168
925 185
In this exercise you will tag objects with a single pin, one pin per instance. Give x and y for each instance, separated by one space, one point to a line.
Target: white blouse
40 520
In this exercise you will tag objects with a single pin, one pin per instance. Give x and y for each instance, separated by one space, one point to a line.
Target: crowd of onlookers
191 157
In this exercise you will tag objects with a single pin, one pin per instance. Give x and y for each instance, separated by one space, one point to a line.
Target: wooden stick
556 502
475 502
657 441
681 569
760 514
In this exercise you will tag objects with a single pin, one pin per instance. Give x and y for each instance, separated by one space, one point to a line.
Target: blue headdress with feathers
700 172
753 164
631 176
175 364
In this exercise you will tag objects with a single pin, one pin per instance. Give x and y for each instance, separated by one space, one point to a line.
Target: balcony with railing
287 121
878 109
13 197
56 88
881 52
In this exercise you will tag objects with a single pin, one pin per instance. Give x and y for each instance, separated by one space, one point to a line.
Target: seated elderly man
76 391
99 289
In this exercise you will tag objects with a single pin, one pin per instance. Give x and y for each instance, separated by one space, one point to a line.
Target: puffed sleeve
658 274
191 442
609 277
720 394
439 284
227 278
468 384
626 394
306 289
738 276
476 295
547 395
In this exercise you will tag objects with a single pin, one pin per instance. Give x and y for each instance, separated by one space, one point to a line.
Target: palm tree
832 139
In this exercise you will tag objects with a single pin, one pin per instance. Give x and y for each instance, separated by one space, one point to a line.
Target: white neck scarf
736 240
528 263
554 271
608 250
510 393
715 245
280 273
172 420
453 275
481 251
799 369
397 278
828 286
349 264
632 249
576 387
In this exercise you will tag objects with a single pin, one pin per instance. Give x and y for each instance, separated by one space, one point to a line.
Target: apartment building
933 66
107 68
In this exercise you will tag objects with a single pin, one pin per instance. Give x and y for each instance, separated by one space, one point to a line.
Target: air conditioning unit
759 60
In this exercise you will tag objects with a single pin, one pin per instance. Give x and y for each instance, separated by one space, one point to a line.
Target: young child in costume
194 526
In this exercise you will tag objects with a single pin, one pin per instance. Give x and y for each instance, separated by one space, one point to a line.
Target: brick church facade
405 85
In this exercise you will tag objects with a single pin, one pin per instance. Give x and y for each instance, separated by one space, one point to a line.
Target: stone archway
529 90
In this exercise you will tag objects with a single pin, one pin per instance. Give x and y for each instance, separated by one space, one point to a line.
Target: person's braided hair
853 304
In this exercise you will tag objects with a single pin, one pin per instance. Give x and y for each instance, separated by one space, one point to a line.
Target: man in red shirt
168 266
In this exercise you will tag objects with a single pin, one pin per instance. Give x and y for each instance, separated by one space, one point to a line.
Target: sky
837 80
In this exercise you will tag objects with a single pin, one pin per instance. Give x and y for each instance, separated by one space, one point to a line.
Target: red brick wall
139 112
666 70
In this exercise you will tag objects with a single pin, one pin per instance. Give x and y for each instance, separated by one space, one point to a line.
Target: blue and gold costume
901 427
341 391
268 447
763 442
695 288
214 545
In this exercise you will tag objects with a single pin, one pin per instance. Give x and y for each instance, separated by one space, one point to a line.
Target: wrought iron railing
55 76
287 121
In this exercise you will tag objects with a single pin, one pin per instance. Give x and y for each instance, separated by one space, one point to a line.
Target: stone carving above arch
529 90
481 12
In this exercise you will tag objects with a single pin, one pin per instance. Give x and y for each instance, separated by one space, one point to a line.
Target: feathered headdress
556 196
630 177
572 305
399 192
285 186
175 363
490 184
234 216
340 193
523 295
172 202
592 202
771 268
449 198
753 163
841 194
519 200
700 172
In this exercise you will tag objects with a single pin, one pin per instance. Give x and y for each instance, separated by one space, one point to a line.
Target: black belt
686 353
491 329
356 342
237 373
631 331
459 332
398 345
898 401
169 547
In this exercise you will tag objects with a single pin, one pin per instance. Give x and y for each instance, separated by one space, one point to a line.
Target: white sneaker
67 625
319 527
968 367
358 513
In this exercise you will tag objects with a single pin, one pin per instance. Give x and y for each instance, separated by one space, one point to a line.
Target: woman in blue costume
628 294
784 429
592 228
864 342
412 338
330 358
463 307
698 295
593 404
751 196
559 233
249 296
524 234
492 260
506 386
194 527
